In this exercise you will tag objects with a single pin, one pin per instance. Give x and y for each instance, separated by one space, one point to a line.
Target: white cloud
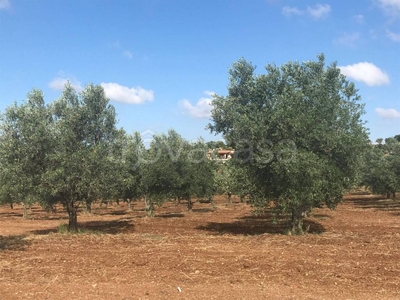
347 39
288 11
366 72
5 4
359 19
319 11
125 52
389 113
58 84
393 36
202 109
391 7
114 91
123 94
128 54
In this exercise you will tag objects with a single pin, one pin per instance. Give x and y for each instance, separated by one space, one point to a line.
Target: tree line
71 152
381 169
297 130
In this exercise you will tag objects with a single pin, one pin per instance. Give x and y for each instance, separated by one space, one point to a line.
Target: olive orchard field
217 251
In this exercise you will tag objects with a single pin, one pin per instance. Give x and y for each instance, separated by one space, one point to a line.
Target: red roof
224 151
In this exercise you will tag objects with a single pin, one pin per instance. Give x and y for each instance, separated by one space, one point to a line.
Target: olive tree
224 183
131 171
160 177
393 155
200 172
82 159
297 129
173 168
25 142
381 169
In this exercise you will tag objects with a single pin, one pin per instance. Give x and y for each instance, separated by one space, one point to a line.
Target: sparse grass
153 237
63 229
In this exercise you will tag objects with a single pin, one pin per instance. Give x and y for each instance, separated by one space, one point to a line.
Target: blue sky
161 60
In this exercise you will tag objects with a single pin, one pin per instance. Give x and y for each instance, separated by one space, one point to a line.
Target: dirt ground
218 251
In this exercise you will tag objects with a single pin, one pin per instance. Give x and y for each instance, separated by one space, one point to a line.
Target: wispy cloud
366 72
317 11
123 94
390 7
5 4
393 36
290 11
125 52
389 113
128 54
58 84
359 19
347 39
202 109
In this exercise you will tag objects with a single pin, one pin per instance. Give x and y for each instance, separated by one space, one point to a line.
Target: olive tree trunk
189 204
229 196
72 217
297 218
27 211
149 207
128 201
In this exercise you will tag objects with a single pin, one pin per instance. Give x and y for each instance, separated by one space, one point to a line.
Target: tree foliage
71 152
176 169
63 152
24 144
381 169
81 161
129 174
297 130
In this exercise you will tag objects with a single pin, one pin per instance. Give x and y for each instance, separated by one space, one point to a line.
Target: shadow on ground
13 242
170 215
109 227
256 225
203 210
10 214
375 202
118 213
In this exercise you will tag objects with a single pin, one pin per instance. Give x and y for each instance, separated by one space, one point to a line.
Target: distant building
220 154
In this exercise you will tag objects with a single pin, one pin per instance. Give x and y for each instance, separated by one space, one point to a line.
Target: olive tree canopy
298 131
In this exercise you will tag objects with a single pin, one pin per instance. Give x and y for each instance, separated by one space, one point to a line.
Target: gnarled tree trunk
72 217
190 204
27 211
229 196
296 222
149 207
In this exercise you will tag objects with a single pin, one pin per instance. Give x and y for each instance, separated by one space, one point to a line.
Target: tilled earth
217 251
